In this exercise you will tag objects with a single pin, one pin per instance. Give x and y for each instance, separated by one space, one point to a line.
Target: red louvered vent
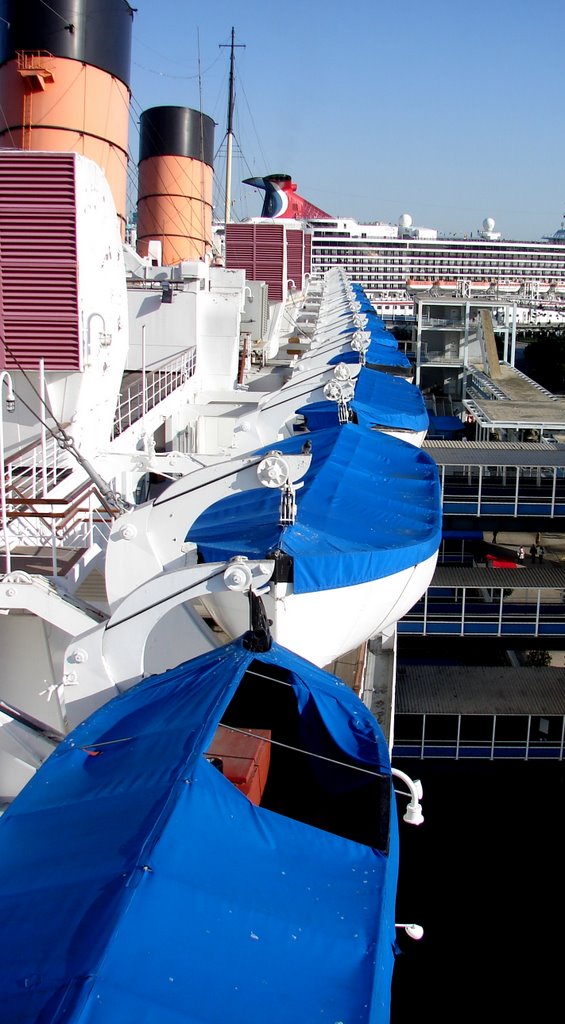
294 257
38 262
308 254
259 250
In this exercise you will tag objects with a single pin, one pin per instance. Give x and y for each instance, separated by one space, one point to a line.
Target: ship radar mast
229 144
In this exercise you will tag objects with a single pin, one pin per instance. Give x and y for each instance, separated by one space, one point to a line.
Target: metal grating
480 690
548 576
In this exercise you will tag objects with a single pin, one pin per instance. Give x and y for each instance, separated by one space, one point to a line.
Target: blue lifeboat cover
138 884
446 427
319 415
370 507
380 400
383 400
374 357
379 333
377 355
360 293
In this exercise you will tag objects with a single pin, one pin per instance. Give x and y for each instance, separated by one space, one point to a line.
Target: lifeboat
191 871
447 286
360 552
509 286
542 287
419 286
480 286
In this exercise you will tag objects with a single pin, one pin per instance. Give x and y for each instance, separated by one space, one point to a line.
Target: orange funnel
63 88
175 183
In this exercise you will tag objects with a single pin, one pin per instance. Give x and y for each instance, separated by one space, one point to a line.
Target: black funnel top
95 32
176 131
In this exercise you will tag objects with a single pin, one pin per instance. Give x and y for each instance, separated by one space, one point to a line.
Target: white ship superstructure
395 262
389 260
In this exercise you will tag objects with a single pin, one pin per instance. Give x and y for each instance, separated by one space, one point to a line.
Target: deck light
415 931
413 814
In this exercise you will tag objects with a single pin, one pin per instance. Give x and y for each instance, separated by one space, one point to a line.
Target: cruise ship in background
395 261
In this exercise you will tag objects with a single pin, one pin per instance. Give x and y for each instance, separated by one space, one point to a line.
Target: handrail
159 384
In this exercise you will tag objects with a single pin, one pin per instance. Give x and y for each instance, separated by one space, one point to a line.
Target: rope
309 753
246 732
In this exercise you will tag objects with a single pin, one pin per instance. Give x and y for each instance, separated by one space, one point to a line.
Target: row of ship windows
446 258
427 261
454 272
391 269
436 248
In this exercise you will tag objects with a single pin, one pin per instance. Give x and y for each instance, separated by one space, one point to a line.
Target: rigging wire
263 157
8 129
246 732
299 750
68 25
112 501
184 78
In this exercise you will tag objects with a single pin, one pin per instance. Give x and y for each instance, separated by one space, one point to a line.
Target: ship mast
229 147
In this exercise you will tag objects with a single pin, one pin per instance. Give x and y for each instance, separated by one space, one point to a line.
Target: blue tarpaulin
383 400
375 357
378 333
370 506
380 400
319 415
139 885
445 427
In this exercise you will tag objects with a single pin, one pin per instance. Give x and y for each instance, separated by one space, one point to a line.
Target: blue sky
449 112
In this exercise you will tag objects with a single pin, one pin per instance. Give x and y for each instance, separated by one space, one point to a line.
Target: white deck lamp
413 814
414 931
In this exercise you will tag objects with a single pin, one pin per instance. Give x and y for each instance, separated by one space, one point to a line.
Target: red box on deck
245 758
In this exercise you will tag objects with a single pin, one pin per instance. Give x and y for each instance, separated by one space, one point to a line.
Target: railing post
143 376
53 545
42 391
5 379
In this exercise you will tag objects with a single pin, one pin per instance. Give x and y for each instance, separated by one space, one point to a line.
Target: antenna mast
231 103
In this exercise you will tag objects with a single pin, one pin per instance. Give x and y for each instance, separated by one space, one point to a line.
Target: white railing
35 469
139 399
34 518
78 521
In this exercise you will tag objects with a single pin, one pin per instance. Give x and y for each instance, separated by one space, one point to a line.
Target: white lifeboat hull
325 625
